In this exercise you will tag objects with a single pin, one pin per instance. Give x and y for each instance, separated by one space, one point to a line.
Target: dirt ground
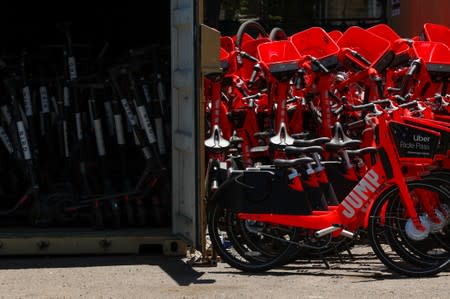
163 277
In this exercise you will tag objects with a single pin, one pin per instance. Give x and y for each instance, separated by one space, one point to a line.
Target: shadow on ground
175 267
364 267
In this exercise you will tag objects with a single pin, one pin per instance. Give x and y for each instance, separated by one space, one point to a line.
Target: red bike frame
351 212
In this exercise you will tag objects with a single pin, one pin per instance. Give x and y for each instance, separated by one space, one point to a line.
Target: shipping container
176 24
408 17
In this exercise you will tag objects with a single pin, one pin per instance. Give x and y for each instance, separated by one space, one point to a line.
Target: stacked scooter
84 139
318 136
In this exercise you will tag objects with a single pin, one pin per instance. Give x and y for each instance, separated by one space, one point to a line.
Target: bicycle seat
282 138
340 140
216 142
292 163
362 151
311 142
292 150
332 145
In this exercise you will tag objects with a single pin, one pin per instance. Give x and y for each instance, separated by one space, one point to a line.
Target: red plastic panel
227 43
250 47
335 35
436 33
369 45
432 52
315 42
278 51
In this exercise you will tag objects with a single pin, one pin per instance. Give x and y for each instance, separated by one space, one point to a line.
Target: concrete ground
163 277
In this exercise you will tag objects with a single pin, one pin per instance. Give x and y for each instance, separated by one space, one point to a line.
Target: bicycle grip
413 68
300 80
384 102
393 89
256 69
360 57
356 124
254 96
319 65
339 110
240 87
400 99
409 104
248 56
369 106
291 100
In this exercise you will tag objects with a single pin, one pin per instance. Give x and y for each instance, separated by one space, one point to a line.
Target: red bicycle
401 227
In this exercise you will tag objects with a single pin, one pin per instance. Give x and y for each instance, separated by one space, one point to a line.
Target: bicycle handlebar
319 65
409 104
358 56
385 102
254 96
250 24
368 107
248 56
401 99
356 124
277 34
414 68
400 42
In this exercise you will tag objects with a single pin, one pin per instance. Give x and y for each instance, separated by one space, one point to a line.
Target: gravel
163 277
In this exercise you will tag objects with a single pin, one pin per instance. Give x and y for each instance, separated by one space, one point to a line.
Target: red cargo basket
436 33
435 55
278 52
373 48
224 54
281 58
335 35
227 43
317 43
250 47
386 32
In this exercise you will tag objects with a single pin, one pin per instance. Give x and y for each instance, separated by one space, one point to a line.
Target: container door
185 117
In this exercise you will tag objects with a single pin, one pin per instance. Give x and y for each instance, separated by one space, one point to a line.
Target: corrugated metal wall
184 118
414 13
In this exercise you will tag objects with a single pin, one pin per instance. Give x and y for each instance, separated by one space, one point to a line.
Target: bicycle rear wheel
248 246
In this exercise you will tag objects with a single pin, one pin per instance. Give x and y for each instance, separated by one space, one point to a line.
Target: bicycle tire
415 252
402 258
442 179
240 253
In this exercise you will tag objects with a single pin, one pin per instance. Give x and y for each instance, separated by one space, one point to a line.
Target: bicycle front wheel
395 246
